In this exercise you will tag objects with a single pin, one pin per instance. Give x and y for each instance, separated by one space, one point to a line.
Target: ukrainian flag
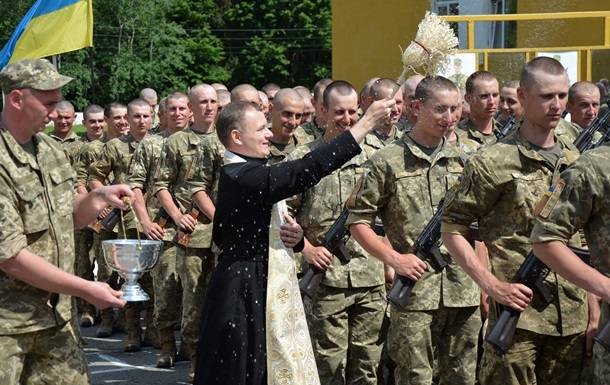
49 28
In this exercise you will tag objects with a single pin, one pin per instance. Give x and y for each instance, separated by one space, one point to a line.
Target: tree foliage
170 45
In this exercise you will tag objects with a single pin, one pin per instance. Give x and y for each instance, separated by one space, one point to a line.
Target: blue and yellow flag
49 28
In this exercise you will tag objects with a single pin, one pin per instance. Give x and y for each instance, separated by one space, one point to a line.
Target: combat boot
105 328
134 333
151 333
167 357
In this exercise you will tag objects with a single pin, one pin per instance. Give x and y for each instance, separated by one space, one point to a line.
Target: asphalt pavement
108 364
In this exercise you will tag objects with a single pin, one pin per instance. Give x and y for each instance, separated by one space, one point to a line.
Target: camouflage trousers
83 264
534 359
166 285
448 337
601 357
50 356
194 268
345 327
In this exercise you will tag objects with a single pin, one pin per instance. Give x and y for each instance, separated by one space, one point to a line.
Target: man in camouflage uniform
62 130
179 165
403 184
583 103
315 128
500 189
581 202
144 166
246 93
509 102
482 95
113 118
386 134
113 164
39 212
308 108
93 119
285 119
408 119
347 311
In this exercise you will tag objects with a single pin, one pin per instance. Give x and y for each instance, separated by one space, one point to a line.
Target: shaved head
540 64
245 93
64 105
149 95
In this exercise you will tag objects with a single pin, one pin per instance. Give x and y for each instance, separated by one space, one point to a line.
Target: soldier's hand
115 195
153 231
187 223
318 256
291 232
514 295
410 266
379 111
103 296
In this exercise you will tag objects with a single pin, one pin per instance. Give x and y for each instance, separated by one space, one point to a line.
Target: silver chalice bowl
131 258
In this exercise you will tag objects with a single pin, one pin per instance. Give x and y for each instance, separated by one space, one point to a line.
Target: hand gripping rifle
163 218
334 241
427 247
506 128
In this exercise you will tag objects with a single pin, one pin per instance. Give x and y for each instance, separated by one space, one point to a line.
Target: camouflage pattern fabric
312 130
115 158
90 151
403 186
434 343
376 141
345 327
50 356
534 359
320 206
36 197
166 287
601 357
194 268
470 139
507 180
37 74
71 145
179 165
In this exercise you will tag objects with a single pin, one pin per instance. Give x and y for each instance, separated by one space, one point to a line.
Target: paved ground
110 365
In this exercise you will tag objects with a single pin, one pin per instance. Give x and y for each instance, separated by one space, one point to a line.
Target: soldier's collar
418 153
71 137
17 150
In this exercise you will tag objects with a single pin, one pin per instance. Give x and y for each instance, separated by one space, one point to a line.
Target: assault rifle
427 247
533 272
334 241
506 128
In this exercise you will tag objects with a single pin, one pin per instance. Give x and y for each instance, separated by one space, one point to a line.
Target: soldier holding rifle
500 189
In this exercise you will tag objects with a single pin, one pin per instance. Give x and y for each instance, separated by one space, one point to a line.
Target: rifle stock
334 241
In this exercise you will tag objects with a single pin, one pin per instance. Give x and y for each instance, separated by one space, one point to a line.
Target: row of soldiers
403 174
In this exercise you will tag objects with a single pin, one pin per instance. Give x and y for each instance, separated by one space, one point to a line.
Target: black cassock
232 343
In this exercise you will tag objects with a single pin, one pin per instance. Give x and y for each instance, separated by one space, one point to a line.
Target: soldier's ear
14 99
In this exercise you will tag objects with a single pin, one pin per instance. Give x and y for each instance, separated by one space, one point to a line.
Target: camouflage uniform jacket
179 164
313 130
36 198
318 208
89 153
376 141
71 145
470 138
501 186
403 186
143 168
211 159
584 203
276 155
115 158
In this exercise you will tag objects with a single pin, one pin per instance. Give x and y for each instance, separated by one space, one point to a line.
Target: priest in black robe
232 346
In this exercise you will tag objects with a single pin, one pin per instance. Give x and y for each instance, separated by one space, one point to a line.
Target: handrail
470 20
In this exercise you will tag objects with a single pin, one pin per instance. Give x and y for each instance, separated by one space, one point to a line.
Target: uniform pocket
62 191
32 207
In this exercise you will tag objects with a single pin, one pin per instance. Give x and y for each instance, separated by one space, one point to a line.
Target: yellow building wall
366 36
